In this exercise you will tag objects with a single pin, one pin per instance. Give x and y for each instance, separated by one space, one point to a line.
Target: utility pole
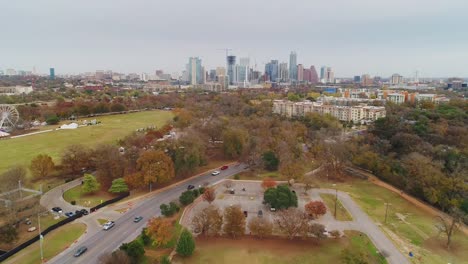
336 198
386 211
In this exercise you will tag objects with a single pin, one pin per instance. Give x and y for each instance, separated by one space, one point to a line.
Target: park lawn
86 200
417 233
54 243
273 251
362 243
341 213
112 128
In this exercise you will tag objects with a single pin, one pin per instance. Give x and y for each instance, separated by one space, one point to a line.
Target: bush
201 190
165 260
145 238
236 177
196 193
280 197
186 244
73 202
186 198
169 210
52 120
134 249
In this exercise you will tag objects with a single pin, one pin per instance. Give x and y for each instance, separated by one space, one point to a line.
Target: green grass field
54 243
20 151
409 227
86 200
341 213
256 251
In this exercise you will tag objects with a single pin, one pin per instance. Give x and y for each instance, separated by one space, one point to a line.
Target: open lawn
54 243
86 200
112 128
410 228
278 251
341 213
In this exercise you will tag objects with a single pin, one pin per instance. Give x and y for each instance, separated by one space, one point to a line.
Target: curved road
125 230
54 197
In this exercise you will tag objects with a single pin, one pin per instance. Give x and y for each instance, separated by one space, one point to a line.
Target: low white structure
12 90
69 126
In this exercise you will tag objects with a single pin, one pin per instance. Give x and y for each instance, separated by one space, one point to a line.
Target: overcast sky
379 37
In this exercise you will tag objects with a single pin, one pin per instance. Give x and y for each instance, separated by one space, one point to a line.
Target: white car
108 225
214 173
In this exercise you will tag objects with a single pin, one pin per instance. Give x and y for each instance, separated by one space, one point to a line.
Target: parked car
32 229
57 210
225 167
137 219
232 191
84 211
214 173
108 225
273 209
260 213
190 187
69 214
80 251
246 213
27 221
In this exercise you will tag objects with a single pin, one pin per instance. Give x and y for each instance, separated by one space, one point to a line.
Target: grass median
54 243
341 213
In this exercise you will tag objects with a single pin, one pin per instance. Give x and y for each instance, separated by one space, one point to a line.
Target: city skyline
375 38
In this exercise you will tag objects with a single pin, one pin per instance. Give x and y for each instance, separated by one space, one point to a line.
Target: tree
118 186
308 184
317 230
169 210
293 222
335 233
280 197
260 227
186 244
268 183
160 230
75 158
293 170
90 184
234 221
41 166
8 234
234 141
209 195
52 120
187 197
208 221
116 257
134 249
155 167
165 260
270 160
315 209
110 164
117 107
449 226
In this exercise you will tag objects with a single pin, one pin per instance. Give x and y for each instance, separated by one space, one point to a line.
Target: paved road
125 230
363 223
54 197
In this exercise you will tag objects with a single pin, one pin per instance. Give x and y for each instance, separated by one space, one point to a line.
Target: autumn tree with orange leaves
160 230
268 183
209 195
315 208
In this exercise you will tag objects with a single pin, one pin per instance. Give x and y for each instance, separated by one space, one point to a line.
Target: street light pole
336 198
41 238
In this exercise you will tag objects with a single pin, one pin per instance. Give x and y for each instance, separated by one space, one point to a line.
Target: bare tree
234 221
209 195
208 221
448 226
292 222
260 227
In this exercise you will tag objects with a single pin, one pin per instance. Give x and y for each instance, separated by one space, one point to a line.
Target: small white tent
69 126
3 134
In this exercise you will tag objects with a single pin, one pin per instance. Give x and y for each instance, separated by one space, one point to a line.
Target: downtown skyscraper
196 72
293 66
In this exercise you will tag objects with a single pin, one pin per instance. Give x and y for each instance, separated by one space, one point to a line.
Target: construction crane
227 51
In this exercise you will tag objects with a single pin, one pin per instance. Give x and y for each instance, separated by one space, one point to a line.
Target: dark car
69 214
80 251
225 167
57 210
190 187
260 213
137 219
84 211
246 213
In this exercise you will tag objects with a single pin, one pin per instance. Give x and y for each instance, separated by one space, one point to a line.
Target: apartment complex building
358 114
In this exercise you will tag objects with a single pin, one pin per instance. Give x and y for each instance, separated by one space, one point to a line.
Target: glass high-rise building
272 70
196 73
52 73
231 62
293 66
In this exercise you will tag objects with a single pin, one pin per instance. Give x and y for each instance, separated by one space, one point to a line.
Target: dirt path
428 208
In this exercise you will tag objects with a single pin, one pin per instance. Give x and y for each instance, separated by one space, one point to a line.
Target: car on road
137 219
69 214
84 211
260 213
190 187
225 167
57 210
108 225
214 173
80 251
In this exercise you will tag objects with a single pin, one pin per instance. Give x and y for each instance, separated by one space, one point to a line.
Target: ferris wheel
8 117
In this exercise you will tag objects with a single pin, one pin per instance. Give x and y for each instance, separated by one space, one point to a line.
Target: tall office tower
330 75
240 76
323 74
231 62
307 75
196 74
283 72
366 80
272 70
396 79
357 79
313 75
212 75
52 73
293 66
300 73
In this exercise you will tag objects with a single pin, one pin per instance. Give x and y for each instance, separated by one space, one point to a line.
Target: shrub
165 260
169 210
52 120
186 244
201 190
186 198
236 177
73 202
